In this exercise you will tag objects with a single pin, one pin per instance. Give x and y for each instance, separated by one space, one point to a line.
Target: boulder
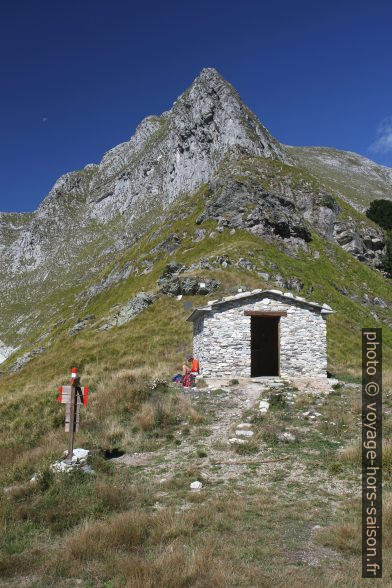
199 235
25 358
134 307
127 312
81 324
187 286
168 245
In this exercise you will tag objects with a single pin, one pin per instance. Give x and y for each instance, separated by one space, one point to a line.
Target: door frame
271 313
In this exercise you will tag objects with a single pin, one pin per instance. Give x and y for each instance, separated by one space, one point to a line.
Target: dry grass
144 549
166 411
146 417
352 454
193 567
387 379
94 540
387 456
303 400
346 535
387 519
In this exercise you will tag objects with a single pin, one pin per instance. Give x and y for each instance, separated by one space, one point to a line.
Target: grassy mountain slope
126 527
358 179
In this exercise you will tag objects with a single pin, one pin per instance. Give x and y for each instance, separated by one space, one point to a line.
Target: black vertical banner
371 453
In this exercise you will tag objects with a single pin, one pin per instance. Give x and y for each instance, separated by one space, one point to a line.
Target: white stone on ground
332 381
80 453
244 426
236 440
196 485
79 456
244 433
286 436
264 406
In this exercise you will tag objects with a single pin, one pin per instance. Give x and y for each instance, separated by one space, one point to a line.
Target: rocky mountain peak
213 104
92 214
168 155
176 152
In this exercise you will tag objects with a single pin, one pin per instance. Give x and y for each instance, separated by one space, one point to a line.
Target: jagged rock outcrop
130 310
234 205
366 243
81 324
283 206
116 275
25 358
172 284
188 286
168 155
168 245
355 178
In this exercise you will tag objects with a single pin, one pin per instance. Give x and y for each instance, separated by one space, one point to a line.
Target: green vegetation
387 260
380 211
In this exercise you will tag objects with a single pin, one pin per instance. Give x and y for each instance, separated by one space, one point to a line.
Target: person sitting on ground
186 372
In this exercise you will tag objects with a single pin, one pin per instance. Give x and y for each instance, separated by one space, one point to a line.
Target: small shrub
330 202
380 212
46 478
387 258
277 399
335 467
247 448
201 453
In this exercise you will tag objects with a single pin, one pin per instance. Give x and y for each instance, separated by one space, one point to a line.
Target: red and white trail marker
64 396
73 397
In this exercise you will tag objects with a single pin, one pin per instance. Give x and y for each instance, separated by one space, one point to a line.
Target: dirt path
296 479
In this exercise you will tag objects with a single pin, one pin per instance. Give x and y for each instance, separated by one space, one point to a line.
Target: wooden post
73 397
72 422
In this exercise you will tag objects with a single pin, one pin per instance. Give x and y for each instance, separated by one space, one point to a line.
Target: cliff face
168 155
209 137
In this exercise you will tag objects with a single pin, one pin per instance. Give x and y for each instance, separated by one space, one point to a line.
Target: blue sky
78 76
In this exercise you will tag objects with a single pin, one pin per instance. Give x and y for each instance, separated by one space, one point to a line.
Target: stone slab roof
245 296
